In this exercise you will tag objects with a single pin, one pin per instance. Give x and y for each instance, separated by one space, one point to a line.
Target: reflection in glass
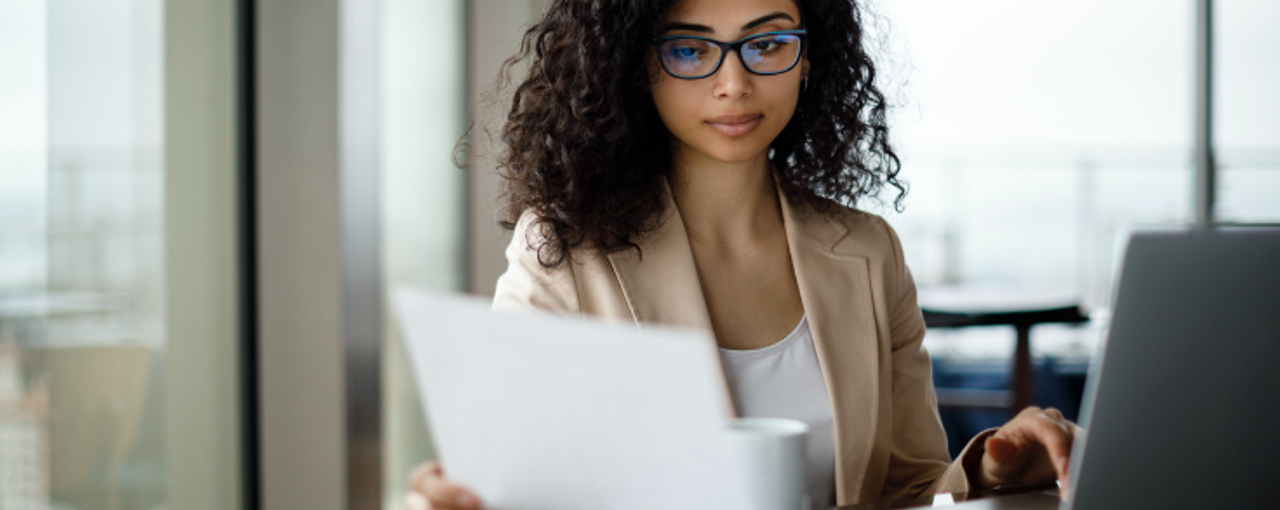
81 290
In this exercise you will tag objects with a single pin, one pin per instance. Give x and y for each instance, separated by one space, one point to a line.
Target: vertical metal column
319 264
1206 169
359 148
247 254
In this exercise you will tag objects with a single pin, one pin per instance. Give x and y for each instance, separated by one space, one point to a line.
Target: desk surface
1039 497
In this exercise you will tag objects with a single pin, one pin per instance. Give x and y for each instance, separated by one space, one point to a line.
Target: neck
726 204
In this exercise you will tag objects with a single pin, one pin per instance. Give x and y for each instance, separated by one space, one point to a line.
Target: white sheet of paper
540 412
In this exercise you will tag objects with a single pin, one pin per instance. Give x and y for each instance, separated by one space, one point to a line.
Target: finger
415 501
1020 451
1062 466
440 493
1065 480
422 470
1004 459
1001 449
1028 412
1014 433
1055 435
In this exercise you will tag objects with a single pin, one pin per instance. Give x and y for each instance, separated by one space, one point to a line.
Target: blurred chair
960 307
95 405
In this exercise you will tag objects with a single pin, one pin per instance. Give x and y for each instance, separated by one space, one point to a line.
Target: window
118 272
1247 110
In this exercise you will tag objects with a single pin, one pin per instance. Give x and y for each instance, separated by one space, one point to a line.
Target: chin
735 151
736 157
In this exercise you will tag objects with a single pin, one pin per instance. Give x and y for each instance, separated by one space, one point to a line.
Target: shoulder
582 284
860 232
527 284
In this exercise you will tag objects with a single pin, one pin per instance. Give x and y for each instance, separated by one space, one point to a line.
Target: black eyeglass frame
736 47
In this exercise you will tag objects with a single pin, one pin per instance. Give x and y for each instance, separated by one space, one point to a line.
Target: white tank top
784 380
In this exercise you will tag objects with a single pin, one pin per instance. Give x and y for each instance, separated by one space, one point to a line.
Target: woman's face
732 115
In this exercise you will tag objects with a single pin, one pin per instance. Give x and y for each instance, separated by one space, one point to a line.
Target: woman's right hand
428 490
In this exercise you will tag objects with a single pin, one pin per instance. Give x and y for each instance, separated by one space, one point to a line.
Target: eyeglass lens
767 54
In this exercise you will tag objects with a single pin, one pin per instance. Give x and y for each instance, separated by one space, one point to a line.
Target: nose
732 80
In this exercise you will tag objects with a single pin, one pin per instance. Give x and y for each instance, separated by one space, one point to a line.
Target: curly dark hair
586 151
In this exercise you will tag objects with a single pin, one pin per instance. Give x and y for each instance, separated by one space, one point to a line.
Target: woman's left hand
1034 447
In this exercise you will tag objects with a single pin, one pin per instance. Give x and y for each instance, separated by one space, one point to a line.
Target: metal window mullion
246 224
319 272
1205 164
358 91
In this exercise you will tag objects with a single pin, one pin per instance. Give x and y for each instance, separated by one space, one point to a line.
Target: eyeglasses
691 57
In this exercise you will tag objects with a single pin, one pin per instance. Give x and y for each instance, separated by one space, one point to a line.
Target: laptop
1182 407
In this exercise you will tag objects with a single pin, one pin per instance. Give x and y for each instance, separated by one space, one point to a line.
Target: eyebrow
707 30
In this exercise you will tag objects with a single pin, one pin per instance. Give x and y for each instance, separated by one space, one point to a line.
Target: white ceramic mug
771 455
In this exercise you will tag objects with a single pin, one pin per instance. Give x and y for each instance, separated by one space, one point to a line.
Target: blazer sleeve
529 286
919 464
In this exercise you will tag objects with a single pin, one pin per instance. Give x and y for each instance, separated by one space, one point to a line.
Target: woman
683 162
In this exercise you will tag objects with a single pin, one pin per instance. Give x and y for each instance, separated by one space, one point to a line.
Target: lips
735 125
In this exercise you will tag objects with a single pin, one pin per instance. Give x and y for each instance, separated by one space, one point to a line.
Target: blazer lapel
661 286
835 289
660 282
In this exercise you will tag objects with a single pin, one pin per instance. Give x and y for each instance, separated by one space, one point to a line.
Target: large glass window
117 376
1035 137
423 197
1247 110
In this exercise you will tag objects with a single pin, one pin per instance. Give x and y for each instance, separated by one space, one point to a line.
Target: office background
202 204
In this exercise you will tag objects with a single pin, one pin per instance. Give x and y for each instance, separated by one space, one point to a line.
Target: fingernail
467 501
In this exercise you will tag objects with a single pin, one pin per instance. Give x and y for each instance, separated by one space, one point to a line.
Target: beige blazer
861 306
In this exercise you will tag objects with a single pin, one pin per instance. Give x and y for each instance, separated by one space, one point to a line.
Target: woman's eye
686 52
764 45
